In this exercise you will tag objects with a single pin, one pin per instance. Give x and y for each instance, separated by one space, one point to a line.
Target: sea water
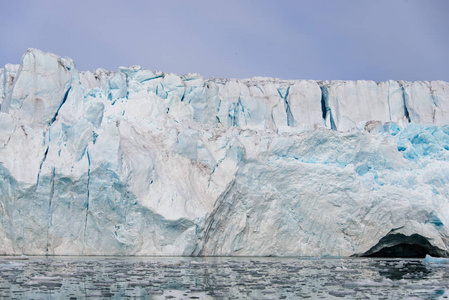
222 278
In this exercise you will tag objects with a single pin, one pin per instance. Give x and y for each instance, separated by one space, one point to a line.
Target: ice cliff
137 162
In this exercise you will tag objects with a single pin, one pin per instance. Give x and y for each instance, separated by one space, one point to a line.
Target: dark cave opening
402 246
401 251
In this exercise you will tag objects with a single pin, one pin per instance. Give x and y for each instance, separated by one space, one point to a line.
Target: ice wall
138 162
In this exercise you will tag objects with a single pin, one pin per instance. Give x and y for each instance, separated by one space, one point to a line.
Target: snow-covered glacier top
141 162
257 103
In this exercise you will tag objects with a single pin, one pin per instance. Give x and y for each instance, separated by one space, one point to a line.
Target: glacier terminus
140 162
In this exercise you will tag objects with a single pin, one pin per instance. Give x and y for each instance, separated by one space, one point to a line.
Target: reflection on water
408 270
211 278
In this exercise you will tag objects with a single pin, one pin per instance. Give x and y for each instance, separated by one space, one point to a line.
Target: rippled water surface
229 278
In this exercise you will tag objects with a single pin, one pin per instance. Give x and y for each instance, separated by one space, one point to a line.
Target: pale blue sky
292 39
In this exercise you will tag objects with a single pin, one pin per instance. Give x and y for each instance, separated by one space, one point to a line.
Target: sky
289 39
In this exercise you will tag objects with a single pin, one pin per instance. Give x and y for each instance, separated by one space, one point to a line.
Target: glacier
140 162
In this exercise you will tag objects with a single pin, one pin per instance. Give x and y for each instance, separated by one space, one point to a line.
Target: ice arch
402 246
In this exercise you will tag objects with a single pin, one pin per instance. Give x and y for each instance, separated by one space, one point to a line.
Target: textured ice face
146 163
